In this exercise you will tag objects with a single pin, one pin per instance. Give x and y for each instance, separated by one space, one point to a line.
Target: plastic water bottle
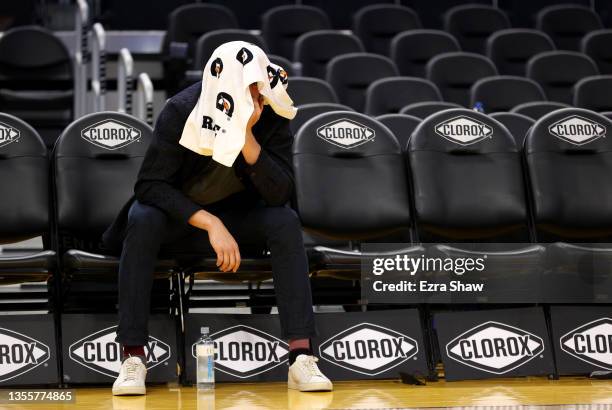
205 357
479 107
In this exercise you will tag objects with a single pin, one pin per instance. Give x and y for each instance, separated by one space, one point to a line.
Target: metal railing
144 93
125 81
81 58
98 67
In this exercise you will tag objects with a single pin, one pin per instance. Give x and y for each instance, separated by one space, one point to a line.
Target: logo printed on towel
100 353
577 130
345 133
368 349
8 134
209 124
244 55
282 74
19 354
591 343
495 347
272 76
216 67
225 103
110 134
463 130
243 351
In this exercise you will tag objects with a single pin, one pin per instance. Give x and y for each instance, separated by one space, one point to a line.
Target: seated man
188 203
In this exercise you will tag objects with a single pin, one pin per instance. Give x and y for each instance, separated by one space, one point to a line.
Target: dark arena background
453 176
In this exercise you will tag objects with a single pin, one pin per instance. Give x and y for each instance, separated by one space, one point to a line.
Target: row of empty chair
378 91
379 29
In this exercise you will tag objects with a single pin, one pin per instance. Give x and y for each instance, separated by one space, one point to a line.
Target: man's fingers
226 261
219 258
232 261
238 259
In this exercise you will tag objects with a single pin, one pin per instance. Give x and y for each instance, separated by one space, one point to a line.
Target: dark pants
150 232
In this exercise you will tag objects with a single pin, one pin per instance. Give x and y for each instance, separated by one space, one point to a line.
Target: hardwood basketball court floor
522 393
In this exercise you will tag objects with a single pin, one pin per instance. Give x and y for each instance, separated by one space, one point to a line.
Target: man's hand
251 148
223 243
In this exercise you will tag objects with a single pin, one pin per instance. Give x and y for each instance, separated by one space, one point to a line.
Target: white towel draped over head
217 124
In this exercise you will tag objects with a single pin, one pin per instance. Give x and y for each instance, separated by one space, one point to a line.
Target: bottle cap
204 330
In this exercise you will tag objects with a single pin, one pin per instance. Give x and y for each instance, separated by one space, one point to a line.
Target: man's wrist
202 219
251 149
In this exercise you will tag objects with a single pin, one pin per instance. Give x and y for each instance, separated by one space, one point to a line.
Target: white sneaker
304 375
131 379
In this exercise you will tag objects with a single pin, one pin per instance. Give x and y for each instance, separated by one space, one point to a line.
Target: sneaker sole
129 391
309 387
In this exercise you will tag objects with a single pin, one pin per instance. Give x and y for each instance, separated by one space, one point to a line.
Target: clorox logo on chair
345 133
464 130
577 130
243 351
100 353
368 349
111 134
19 354
495 347
8 134
591 343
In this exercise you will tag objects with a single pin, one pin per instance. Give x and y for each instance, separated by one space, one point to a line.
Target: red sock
299 344
133 351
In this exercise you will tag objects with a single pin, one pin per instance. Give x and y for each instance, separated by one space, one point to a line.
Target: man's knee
146 219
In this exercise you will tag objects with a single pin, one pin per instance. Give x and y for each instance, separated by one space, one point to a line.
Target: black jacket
168 165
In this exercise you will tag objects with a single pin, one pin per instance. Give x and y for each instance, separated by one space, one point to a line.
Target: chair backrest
537 109
307 111
566 24
95 165
596 45
391 94
351 74
208 42
455 73
349 177
33 58
376 25
510 49
427 108
517 124
569 161
411 50
36 79
187 23
558 71
401 125
593 93
316 48
24 186
467 180
504 92
472 24
308 90
282 25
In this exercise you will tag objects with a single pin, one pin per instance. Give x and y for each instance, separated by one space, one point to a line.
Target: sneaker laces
310 363
131 369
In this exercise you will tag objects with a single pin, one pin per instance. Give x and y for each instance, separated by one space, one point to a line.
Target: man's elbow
281 196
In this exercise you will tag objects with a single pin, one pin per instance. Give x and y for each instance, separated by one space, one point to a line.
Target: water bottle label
205 350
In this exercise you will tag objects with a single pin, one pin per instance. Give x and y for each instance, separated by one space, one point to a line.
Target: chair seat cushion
75 260
252 269
20 260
